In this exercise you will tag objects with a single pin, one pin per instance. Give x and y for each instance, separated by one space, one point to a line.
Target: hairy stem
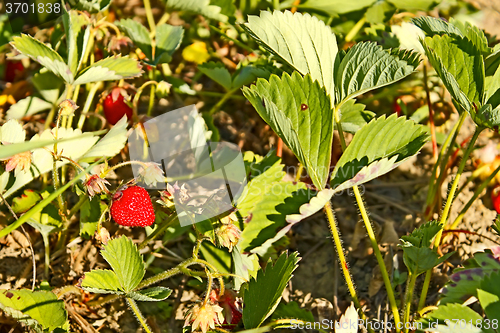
446 211
371 233
138 314
412 278
380 259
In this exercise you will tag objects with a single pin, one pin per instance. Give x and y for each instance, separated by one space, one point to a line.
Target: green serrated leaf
124 258
301 40
42 306
154 294
422 5
27 200
202 7
90 212
492 94
245 265
353 116
298 110
447 319
263 294
489 296
28 106
73 22
44 55
436 26
465 282
139 35
460 66
92 6
474 34
381 138
102 281
269 215
111 144
245 75
336 7
48 85
292 310
217 72
367 66
110 69
168 39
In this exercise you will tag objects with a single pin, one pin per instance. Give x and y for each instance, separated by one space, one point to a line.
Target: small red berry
115 106
131 206
233 309
495 198
12 70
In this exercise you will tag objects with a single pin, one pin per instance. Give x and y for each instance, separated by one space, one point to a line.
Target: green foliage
450 318
112 68
44 55
102 281
154 294
34 308
243 76
92 6
457 51
265 202
382 138
417 254
298 110
167 40
366 66
124 258
90 212
353 116
42 204
308 46
263 294
27 200
466 281
292 310
202 7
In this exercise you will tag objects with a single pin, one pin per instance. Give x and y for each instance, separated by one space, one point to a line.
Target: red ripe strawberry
495 198
12 70
132 207
115 106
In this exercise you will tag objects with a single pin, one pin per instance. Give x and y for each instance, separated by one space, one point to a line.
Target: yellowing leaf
196 52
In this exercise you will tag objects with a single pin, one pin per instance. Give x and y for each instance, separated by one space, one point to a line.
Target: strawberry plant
139 171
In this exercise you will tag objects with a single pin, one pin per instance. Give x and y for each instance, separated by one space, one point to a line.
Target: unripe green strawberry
115 106
132 207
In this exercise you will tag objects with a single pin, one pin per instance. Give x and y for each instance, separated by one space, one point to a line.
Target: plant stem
343 262
355 29
88 103
412 278
371 233
135 309
151 100
380 259
299 172
440 165
171 220
235 41
477 193
46 244
431 115
219 104
167 274
447 207
149 15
